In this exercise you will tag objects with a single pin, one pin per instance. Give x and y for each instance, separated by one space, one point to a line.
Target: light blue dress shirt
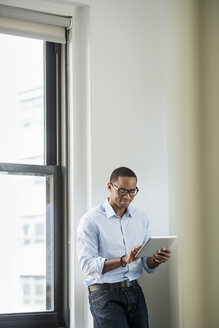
103 235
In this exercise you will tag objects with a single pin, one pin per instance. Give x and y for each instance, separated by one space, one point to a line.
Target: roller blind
33 24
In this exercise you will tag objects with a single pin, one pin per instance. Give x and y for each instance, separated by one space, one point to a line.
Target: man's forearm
114 263
111 264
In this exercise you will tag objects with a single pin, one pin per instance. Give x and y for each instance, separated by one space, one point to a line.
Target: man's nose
128 195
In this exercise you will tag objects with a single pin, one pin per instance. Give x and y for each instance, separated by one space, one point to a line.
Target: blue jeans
119 307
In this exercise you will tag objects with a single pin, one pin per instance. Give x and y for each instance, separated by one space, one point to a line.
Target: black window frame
52 103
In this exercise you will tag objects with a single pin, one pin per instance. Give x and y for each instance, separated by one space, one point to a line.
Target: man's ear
109 186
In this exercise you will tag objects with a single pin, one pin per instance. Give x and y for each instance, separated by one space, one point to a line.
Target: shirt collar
110 211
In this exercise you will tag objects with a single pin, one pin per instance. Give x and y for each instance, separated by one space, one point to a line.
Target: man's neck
119 211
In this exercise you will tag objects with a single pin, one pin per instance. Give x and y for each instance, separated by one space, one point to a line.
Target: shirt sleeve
145 266
87 249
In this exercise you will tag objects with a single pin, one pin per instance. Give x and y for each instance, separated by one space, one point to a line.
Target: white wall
129 77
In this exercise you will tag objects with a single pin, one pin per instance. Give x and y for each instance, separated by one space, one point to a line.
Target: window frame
53 137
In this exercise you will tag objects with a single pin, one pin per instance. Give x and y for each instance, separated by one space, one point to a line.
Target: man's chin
124 204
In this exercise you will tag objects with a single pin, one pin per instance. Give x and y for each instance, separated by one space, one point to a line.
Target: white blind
37 25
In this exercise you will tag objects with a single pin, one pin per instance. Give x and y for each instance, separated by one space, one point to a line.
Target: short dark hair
122 172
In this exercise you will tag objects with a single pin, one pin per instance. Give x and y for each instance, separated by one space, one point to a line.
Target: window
32 213
33 291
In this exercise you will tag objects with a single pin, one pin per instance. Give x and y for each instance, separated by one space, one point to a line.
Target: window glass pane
21 100
26 243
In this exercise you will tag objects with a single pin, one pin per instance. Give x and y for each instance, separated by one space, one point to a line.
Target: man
109 237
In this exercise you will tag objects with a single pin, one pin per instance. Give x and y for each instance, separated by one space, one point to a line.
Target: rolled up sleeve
87 249
145 266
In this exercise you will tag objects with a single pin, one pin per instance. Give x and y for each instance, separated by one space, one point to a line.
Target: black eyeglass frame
126 190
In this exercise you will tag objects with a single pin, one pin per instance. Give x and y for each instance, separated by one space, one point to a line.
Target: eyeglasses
123 191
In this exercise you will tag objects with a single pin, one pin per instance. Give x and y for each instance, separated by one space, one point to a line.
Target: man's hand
130 257
162 255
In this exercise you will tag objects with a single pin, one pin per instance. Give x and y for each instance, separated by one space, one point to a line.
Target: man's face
115 199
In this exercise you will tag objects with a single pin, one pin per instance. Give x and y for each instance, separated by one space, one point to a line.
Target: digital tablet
154 243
